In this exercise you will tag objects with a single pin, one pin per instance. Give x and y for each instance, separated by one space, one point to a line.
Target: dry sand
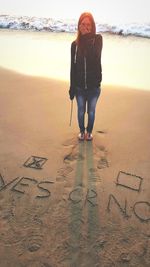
69 204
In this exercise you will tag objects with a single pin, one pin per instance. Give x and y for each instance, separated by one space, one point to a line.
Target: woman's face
85 26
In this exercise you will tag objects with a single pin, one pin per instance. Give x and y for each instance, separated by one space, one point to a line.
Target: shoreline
74 33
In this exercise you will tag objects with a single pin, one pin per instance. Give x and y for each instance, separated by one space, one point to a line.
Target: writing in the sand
21 185
141 209
90 198
137 208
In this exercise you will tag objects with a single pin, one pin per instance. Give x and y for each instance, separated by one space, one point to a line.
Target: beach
65 203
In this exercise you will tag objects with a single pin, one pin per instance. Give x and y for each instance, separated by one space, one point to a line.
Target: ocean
41 47
55 25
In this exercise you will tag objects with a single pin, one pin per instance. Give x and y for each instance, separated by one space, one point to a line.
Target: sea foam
54 25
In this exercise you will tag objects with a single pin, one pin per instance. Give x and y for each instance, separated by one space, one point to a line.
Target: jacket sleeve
99 45
72 67
98 51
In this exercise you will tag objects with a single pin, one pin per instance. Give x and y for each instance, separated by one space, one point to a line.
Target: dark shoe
89 137
81 136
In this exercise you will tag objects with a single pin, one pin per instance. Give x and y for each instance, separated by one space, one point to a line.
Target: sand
65 203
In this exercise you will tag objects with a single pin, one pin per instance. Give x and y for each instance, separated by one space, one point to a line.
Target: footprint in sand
102 163
36 263
101 153
22 224
34 241
102 148
93 175
63 172
71 142
75 150
73 155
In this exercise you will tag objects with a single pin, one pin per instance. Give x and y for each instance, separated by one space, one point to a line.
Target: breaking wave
70 26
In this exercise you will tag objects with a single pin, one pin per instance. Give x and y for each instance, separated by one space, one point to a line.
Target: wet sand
67 203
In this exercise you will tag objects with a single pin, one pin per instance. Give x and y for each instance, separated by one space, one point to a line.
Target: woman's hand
83 29
85 26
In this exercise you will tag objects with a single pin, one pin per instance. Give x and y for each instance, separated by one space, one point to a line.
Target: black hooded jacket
86 70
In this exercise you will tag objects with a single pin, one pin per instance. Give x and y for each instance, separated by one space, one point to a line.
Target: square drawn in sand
130 181
35 162
1 181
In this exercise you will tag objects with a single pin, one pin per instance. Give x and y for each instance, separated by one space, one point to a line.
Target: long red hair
90 17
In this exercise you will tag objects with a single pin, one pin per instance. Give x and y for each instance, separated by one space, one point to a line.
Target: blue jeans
87 98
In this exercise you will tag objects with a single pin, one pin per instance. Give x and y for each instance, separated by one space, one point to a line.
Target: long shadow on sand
84 222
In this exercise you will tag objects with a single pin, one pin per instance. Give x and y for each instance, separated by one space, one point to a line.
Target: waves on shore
54 25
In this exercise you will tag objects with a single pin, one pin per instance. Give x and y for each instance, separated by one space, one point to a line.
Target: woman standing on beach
86 72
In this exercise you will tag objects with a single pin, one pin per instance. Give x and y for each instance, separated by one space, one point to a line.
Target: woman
86 72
